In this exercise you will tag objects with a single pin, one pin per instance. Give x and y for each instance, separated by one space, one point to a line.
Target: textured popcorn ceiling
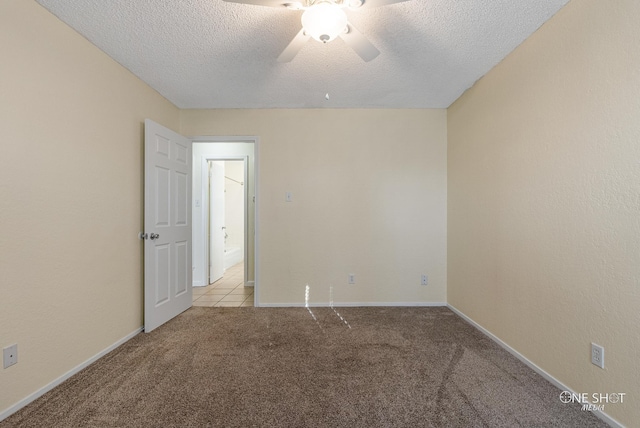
212 54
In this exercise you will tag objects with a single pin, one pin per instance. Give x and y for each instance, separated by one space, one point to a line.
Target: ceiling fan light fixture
324 21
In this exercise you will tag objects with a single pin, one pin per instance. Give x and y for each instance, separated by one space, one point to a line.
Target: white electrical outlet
597 355
10 355
424 280
288 197
352 278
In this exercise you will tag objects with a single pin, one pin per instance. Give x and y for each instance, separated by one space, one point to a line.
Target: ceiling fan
324 20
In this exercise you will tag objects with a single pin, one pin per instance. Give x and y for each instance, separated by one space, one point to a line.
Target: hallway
228 291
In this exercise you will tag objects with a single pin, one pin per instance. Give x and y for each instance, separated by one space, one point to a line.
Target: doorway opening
224 229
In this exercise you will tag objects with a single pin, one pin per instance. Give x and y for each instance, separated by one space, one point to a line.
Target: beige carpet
288 367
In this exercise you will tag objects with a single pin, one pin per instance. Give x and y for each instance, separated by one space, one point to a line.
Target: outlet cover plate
597 355
10 355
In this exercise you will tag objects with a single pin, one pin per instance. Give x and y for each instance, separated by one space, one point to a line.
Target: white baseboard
350 304
250 284
600 414
39 393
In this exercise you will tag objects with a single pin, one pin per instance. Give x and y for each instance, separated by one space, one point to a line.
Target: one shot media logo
592 401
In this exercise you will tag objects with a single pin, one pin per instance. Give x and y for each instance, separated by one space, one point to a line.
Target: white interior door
167 222
217 220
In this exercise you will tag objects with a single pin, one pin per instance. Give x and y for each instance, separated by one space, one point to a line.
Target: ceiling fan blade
269 3
376 3
294 46
359 43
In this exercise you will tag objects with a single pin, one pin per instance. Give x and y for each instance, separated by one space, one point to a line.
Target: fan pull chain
326 74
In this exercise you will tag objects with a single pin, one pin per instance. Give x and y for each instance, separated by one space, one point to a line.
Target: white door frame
206 191
256 173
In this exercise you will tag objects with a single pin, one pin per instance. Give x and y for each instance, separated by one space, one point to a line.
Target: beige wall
70 197
369 198
544 206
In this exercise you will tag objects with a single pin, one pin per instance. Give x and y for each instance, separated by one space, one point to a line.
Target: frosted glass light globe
324 21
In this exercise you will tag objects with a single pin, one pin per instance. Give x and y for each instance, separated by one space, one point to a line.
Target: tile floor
228 291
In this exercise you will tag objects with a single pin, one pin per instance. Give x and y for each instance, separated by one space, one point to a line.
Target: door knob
153 236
